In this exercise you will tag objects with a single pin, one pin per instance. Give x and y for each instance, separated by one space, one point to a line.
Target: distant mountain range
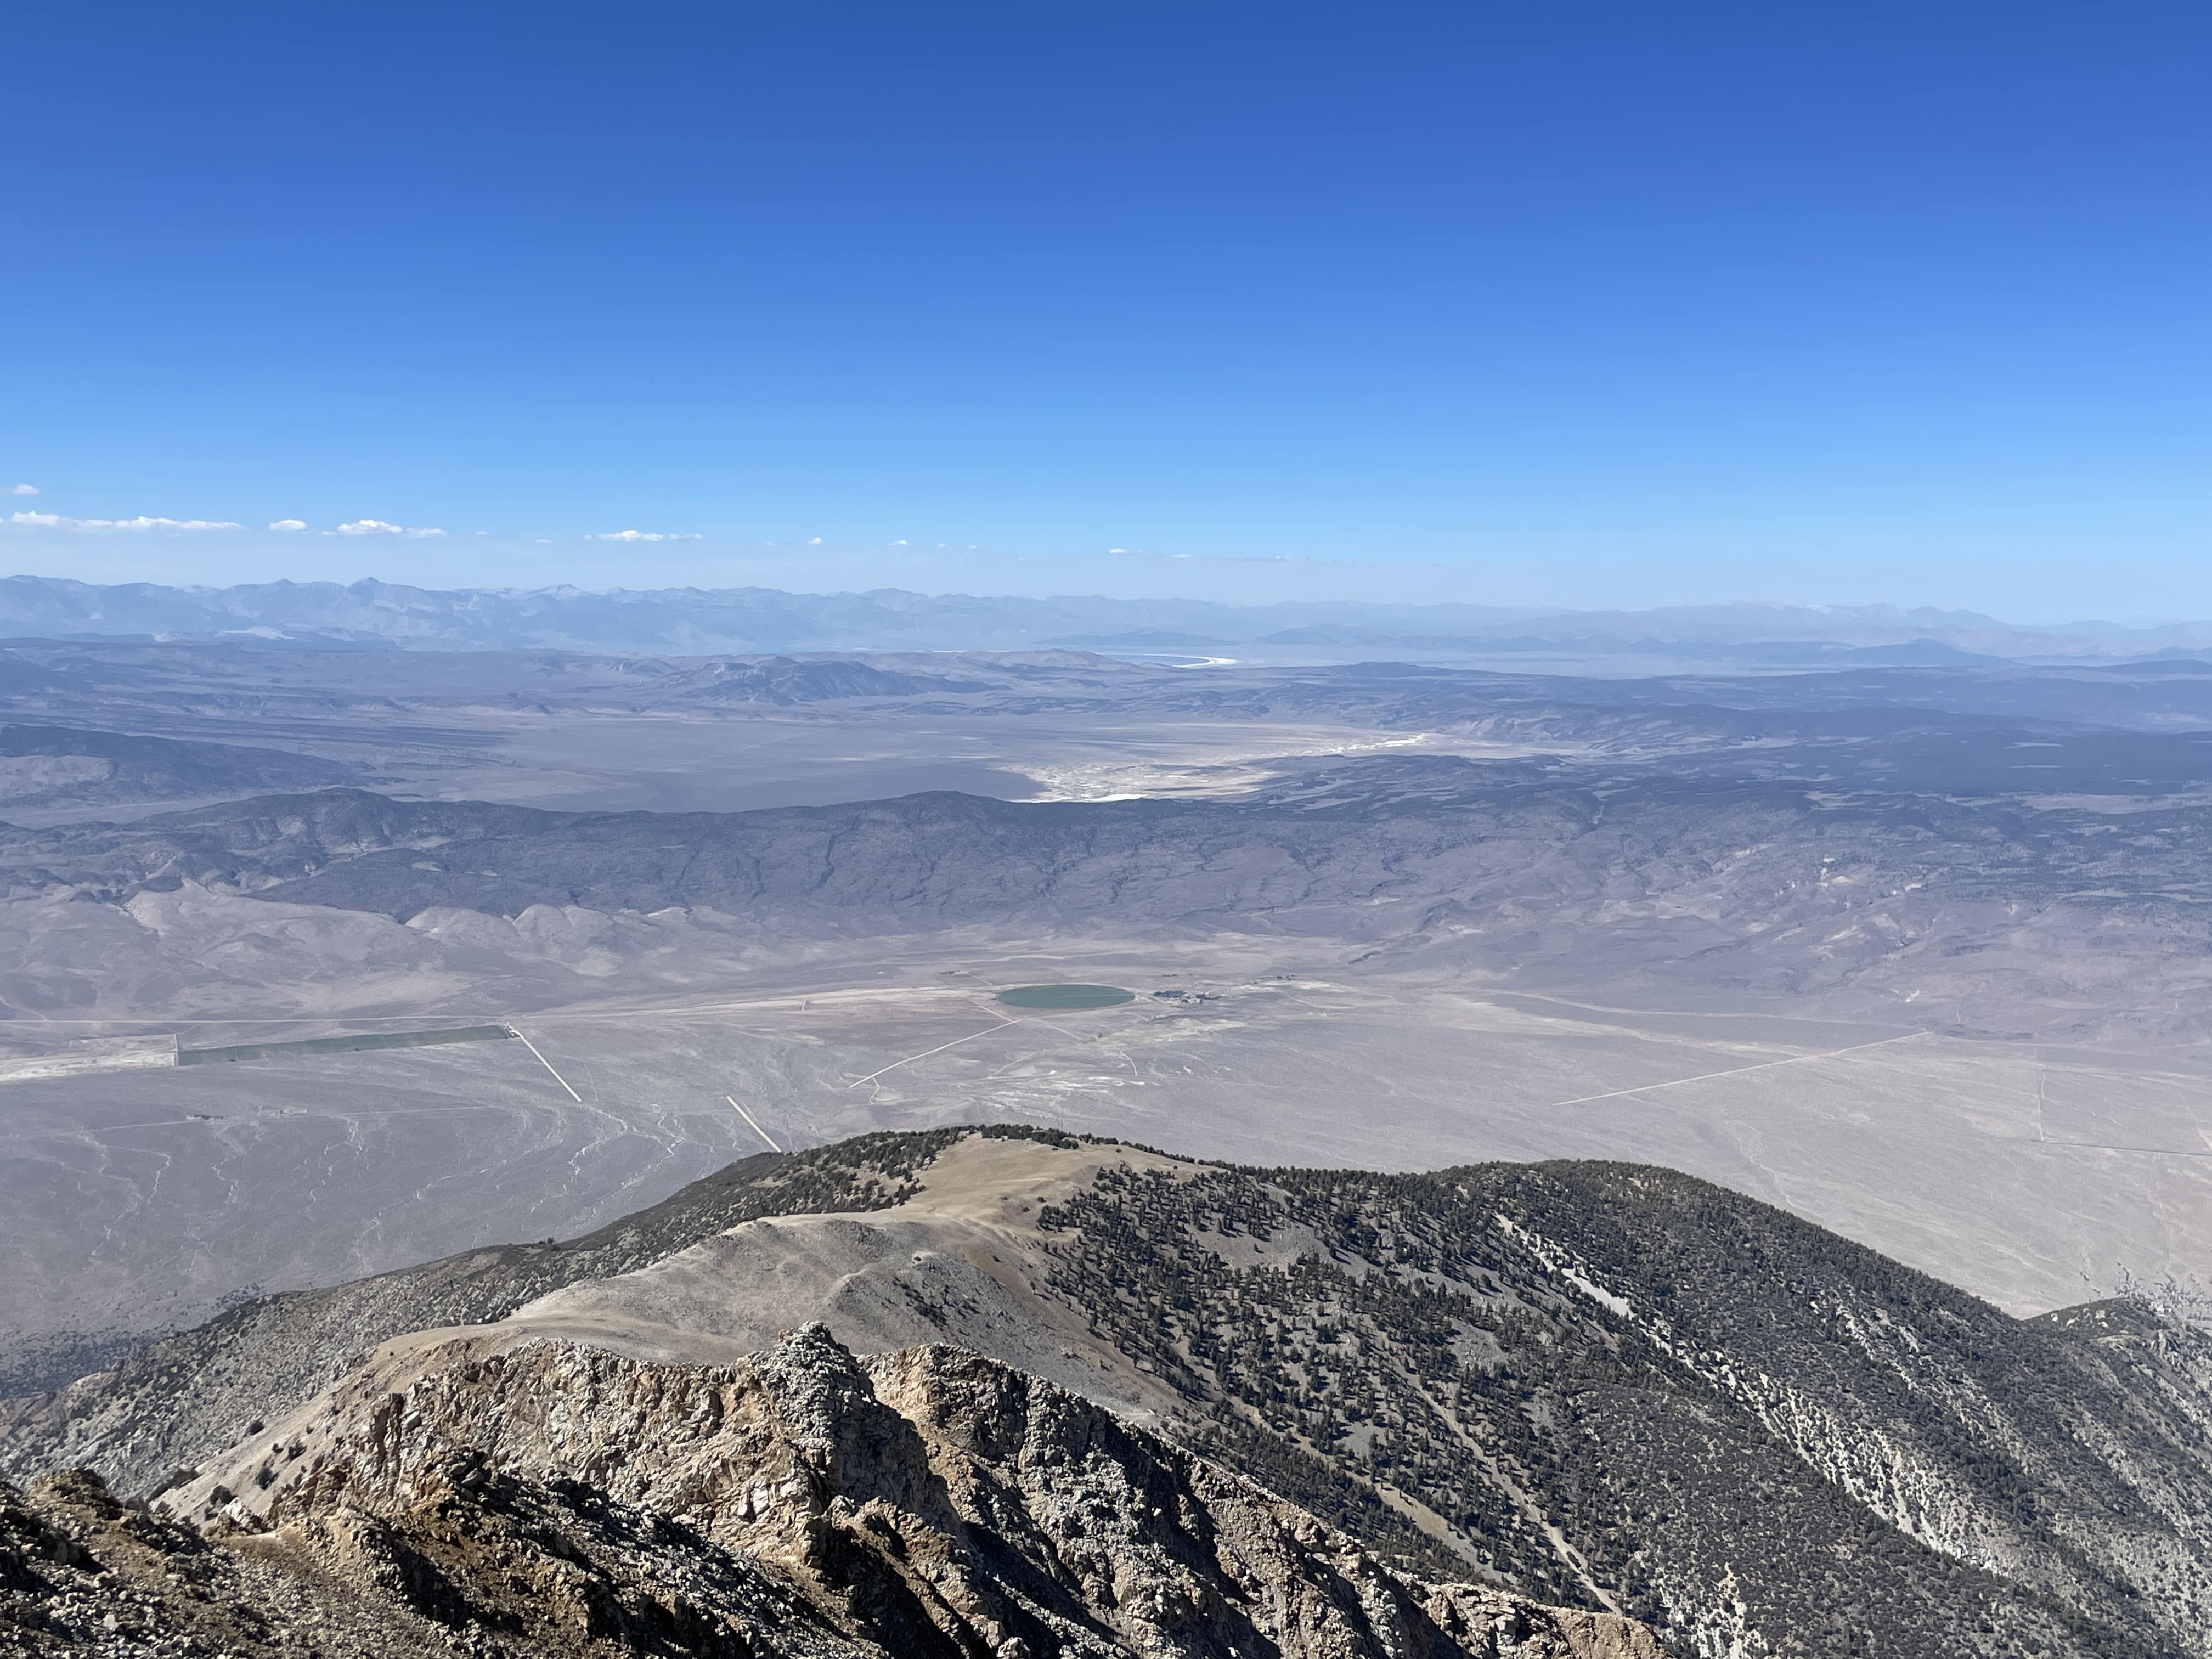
708 621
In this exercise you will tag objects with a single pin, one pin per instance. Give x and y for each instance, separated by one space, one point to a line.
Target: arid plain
1877 947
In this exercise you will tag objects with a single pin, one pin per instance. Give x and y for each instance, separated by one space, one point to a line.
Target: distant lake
1064 997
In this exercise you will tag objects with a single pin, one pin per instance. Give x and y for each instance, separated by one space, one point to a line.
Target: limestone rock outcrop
558 1499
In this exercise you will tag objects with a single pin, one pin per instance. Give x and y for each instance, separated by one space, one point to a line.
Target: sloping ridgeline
1598 1384
179 1400
1621 1381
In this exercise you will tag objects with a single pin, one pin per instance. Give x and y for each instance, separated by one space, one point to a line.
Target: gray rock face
558 1500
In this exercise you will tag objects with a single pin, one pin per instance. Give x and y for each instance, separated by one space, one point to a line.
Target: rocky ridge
558 1500
181 1401
1605 1386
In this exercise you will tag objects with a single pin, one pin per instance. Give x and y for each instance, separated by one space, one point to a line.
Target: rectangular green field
341 1045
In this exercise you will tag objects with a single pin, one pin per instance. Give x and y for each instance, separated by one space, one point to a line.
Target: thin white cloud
56 521
289 524
644 536
901 541
814 541
378 527
24 489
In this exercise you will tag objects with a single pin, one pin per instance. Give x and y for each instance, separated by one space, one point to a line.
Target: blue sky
1622 304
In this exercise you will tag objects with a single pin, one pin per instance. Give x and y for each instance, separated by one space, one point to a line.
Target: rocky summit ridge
1610 1390
558 1500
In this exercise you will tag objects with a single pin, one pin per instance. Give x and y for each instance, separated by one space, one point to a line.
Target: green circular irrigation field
1062 998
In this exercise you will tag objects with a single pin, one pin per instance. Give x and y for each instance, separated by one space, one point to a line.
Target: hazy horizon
1609 309
453 564
736 619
